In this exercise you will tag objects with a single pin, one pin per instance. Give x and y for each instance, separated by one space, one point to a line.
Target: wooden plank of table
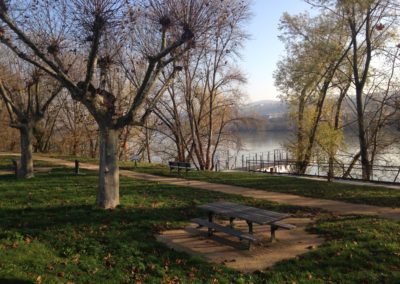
232 207
252 214
257 211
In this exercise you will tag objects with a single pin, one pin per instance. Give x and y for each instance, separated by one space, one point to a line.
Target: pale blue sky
264 49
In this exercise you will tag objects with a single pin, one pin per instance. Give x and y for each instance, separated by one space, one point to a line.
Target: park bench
249 214
179 166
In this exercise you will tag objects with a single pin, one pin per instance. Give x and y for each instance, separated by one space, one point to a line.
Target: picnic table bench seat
283 225
278 225
224 229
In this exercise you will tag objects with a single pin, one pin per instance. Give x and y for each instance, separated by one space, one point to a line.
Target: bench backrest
179 164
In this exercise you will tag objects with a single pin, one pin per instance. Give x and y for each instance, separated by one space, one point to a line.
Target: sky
264 49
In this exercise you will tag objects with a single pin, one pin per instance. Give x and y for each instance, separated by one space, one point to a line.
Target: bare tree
106 33
203 103
371 26
316 47
27 95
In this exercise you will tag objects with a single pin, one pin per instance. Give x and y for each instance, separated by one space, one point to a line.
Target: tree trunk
366 170
148 144
108 192
346 174
331 172
300 168
26 166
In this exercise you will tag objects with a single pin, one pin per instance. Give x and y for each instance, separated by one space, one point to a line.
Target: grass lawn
373 195
50 232
6 163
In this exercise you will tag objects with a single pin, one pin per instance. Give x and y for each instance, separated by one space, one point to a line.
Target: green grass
373 195
7 165
71 158
51 232
359 250
129 165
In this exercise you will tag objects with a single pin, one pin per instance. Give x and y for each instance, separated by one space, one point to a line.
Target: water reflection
256 146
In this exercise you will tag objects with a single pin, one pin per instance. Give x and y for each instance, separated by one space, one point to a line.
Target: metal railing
279 161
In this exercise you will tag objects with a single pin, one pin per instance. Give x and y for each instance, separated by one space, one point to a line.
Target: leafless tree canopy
110 55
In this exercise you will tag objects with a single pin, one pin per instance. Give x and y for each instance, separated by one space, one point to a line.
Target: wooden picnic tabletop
248 213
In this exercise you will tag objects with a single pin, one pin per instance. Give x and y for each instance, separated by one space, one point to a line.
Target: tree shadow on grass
14 281
117 239
53 213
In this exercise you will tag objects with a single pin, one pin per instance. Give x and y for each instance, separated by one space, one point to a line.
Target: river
258 144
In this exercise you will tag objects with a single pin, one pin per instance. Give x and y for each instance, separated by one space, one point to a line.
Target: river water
258 144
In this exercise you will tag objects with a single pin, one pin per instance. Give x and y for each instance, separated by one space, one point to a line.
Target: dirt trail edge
337 207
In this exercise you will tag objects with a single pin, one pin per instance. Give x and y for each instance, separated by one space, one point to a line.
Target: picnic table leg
210 219
250 224
231 219
273 229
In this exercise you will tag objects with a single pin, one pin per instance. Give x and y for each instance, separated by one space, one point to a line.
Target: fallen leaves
27 240
61 274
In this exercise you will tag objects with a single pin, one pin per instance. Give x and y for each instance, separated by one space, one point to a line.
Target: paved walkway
334 206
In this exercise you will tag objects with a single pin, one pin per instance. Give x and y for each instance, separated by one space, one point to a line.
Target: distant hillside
265 108
267 115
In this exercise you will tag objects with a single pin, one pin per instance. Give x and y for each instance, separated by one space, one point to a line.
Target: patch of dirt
229 250
43 169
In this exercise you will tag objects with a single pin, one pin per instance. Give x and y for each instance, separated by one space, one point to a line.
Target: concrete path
337 207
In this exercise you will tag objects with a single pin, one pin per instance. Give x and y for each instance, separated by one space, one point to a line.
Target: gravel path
337 207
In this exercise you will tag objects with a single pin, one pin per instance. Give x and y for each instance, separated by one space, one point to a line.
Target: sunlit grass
373 195
50 232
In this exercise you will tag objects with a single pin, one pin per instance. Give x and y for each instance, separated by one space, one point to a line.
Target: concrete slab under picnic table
229 250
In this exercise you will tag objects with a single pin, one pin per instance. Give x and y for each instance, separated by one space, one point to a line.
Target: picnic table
237 211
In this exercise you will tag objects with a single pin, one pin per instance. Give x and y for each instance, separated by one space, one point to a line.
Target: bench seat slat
284 226
224 229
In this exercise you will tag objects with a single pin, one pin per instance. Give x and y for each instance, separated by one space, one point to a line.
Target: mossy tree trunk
25 169
108 191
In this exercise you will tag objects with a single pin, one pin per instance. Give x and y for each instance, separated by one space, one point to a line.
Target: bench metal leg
210 219
273 229
231 219
250 224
